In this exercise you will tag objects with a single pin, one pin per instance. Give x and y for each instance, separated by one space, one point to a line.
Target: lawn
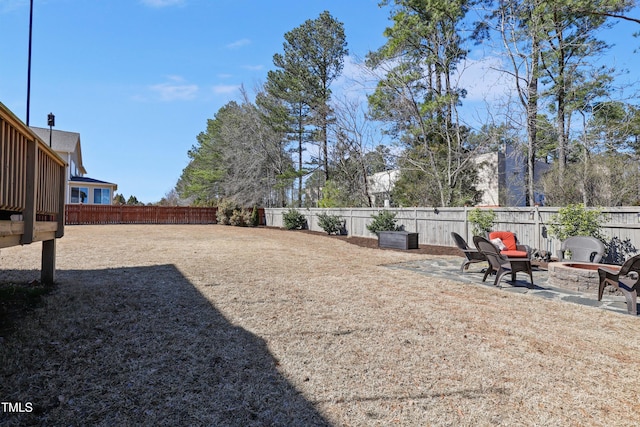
215 325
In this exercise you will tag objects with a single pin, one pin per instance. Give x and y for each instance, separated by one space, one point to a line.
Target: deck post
61 202
48 272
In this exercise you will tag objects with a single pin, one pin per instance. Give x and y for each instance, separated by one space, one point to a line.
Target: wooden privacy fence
435 225
126 214
32 186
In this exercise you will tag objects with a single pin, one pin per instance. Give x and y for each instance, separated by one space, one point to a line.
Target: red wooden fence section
126 214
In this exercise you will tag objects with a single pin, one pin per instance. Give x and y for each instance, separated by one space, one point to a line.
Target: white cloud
175 90
10 5
238 43
356 79
253 67
483 80
225 89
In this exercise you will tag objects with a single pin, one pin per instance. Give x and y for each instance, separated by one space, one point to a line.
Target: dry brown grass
214 325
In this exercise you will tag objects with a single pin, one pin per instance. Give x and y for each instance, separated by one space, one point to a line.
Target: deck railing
32 186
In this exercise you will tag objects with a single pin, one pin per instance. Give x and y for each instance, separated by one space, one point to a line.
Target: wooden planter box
397 240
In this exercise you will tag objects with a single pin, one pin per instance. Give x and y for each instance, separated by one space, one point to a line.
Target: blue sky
138 79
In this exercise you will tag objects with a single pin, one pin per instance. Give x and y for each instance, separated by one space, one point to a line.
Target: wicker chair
501 264
513 248
471 255
625 278
582 248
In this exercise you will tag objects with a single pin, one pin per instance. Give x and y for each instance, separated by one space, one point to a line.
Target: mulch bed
367 242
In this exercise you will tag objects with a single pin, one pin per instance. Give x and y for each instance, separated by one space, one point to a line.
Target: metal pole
29 61
51 121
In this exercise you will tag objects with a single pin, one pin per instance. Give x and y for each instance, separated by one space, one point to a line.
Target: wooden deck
32 186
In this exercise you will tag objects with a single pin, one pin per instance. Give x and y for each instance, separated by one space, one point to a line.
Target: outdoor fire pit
577 276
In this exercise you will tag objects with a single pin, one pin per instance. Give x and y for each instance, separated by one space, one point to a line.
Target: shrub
225 211
332 224
294 220
383 221
240 218
255 218
619 250
481 221
247 217
576 220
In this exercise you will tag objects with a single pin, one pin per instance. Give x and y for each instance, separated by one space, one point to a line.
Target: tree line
296 143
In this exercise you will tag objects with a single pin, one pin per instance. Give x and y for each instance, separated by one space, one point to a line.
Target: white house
380 185
79 189
501 179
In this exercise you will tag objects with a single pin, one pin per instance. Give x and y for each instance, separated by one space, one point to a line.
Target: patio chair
582 248
501 264
471 255
625 278
512 248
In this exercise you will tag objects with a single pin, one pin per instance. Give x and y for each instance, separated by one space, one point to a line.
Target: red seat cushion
507 237
515 254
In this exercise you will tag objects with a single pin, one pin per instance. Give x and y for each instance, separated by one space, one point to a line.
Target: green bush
619 250
294 220
481 221
383 221
332 224
255 219
576 220
330 195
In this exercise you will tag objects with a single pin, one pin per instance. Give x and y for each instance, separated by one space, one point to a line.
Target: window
79 194
101 196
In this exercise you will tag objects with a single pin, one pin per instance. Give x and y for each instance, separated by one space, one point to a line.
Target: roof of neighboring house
62 142
87 180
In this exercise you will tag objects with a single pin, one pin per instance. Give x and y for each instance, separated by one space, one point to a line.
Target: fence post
537 227
466 223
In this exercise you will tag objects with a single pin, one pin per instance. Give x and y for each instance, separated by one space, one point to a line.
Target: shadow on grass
140 346
18 299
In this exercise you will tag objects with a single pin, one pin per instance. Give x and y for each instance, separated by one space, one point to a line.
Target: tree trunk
300 142
532 119
560 100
